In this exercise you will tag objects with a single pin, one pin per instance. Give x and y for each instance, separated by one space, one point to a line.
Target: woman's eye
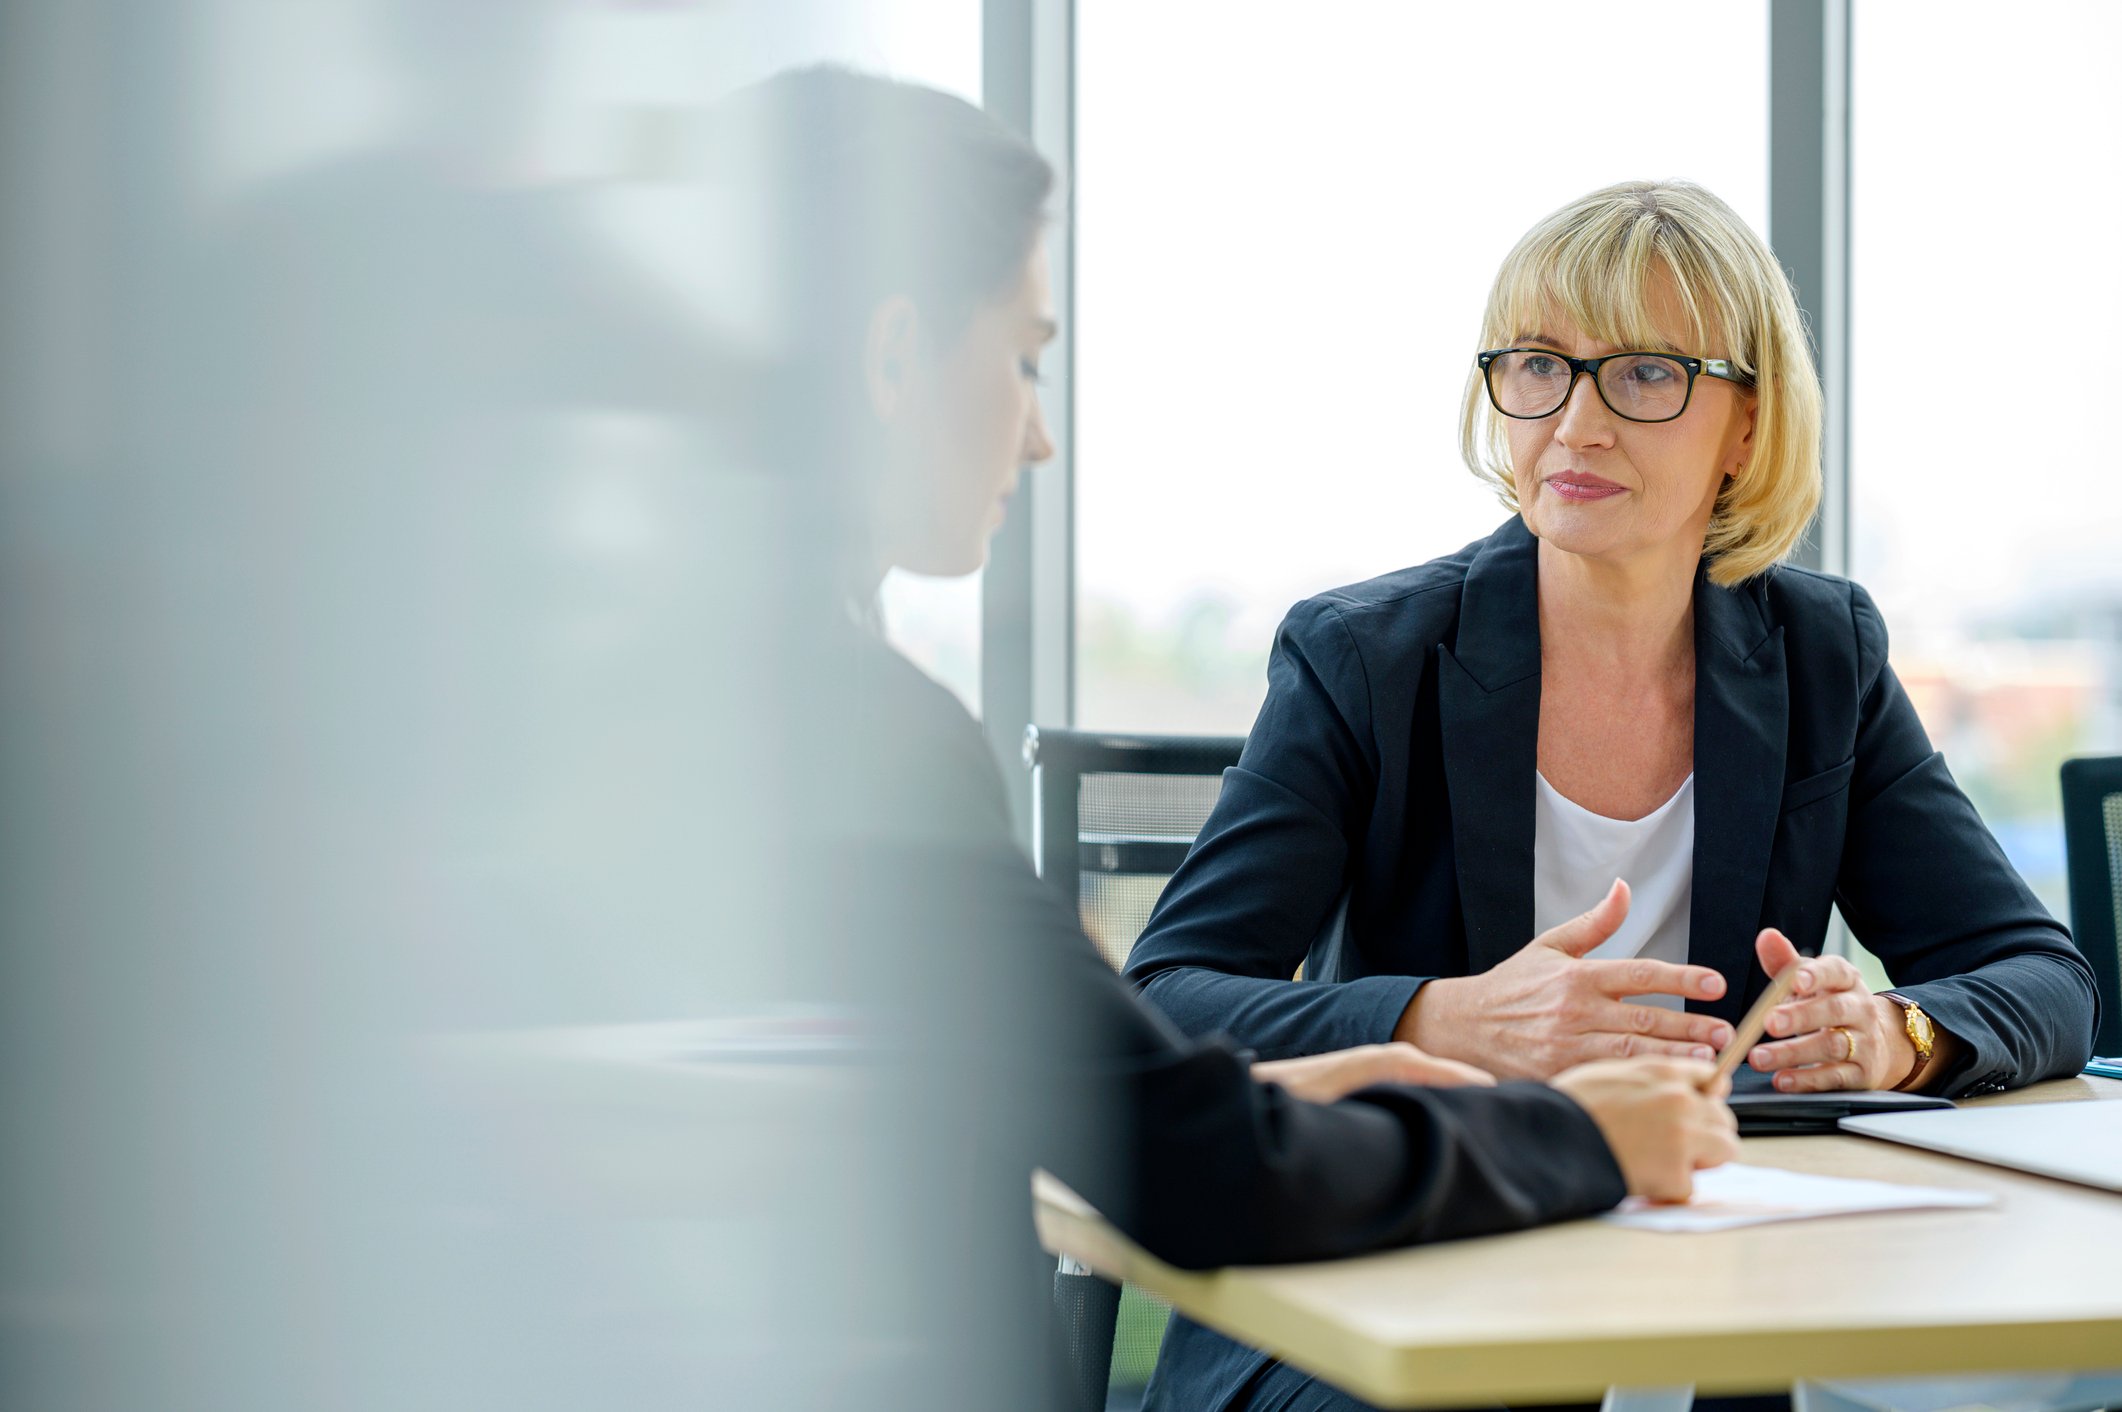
1540 365
1029 367
1651 373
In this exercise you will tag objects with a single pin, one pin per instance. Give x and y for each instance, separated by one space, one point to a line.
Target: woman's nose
1584 419
1038 446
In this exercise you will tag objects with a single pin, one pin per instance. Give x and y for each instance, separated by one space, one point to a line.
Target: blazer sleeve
1212 1168
1926 887
1011 1007
1268 870
1237 1172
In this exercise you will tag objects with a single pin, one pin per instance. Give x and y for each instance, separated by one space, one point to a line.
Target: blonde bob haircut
1601 263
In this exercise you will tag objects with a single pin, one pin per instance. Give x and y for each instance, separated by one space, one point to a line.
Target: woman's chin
954 560
1573 531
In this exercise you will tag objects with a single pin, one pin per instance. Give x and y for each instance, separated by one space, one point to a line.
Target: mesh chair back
1113 816
2092 839
1090 1314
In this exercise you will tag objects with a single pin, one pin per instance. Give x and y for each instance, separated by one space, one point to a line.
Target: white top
1577 855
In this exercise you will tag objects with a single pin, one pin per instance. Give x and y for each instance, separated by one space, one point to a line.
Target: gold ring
1849 1043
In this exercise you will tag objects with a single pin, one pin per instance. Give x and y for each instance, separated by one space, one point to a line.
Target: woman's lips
1573 485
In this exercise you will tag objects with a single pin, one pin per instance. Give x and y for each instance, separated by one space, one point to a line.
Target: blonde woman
1617 701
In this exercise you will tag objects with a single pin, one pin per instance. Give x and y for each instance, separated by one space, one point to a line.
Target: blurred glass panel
1985 293
1285 239
395 862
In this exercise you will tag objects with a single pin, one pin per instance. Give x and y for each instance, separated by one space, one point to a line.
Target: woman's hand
1326 1078
1832 1032
1547 1008
1662 1125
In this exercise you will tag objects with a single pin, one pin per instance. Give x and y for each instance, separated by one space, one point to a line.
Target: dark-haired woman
915 291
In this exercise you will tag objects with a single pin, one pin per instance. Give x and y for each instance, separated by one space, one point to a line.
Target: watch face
1919 1028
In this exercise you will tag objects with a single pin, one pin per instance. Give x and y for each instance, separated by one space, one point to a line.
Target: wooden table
1567 1311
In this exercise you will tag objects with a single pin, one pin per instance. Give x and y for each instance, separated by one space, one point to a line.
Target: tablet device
1767 1113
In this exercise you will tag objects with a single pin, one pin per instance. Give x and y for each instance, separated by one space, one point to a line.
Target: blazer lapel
1488 701
1742 717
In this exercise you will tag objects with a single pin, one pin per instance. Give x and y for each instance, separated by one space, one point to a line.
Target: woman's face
961 420
1596 484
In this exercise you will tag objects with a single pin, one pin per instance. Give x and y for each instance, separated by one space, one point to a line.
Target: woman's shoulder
908 761
1420 601
1822 612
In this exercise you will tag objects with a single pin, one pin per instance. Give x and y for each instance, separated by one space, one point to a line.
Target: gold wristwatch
1921 1033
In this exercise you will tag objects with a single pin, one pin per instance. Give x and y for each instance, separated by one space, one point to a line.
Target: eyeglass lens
1643 387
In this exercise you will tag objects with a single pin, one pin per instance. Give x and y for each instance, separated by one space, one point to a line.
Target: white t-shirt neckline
1686 789
1577 854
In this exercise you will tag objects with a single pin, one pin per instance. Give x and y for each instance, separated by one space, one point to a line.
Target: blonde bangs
1606 265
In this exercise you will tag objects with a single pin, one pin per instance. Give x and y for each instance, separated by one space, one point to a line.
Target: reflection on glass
396 912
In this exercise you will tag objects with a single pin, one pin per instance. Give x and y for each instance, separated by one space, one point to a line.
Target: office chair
1112 819
2092 841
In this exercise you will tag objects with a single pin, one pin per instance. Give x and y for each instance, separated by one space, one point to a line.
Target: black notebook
1766 1113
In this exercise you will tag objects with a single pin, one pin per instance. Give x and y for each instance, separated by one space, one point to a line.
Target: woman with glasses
1623 701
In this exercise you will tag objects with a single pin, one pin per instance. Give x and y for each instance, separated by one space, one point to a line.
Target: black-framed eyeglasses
1530 383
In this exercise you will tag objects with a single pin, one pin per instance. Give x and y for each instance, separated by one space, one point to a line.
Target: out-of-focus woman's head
898 232
1664 267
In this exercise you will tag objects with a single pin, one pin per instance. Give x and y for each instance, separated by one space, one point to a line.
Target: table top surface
1565 1311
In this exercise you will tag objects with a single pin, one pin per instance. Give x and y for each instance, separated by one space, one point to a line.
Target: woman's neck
1634 616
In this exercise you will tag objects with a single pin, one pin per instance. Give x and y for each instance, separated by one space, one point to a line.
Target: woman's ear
1742 450
888 354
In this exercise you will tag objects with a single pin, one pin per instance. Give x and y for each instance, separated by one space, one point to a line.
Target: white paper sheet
1738 1195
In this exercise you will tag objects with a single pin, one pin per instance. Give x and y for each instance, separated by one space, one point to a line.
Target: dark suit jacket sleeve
1924 885
1170 1139
1268 870
1217 1169
1234 1172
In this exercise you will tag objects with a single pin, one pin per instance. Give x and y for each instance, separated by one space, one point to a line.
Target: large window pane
1287 223
1985 299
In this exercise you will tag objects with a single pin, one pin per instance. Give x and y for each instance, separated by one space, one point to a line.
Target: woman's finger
1821 974
1586 930
1834 1007
1415 1067
1605 1044
1327 1078
1320 1078
1832 1045
1657 1022
1641 975
1821 1078
1774 951
1720 1144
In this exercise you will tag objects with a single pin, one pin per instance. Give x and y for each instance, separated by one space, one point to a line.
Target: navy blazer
1379 826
